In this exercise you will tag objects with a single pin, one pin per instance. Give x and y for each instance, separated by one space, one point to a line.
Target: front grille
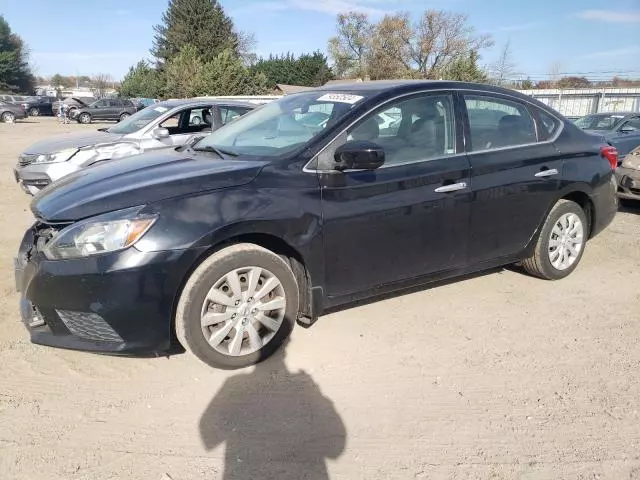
27 159
88 325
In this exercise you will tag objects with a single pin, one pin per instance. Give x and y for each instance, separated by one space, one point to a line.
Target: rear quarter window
548 125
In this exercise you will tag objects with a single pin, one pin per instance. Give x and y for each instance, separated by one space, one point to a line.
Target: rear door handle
452 187
547 173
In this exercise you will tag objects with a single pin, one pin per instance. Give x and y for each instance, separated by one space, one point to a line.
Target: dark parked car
10 112
620 129
115 109
141 103
39 105
269 220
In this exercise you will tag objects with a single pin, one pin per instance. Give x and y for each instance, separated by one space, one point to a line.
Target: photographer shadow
276 425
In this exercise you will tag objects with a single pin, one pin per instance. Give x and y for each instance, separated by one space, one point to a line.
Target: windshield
138 120
282 126
598 122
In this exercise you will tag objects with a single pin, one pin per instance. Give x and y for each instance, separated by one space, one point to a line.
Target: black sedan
271 219
114 109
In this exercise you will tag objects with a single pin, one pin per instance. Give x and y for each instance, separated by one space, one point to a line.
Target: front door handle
452 187
547 173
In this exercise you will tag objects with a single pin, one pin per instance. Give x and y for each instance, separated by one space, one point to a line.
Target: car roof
182 102
374 87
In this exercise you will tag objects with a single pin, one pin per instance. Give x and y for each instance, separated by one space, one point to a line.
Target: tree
202 24
15 73
58 80
503 69
141 81
527 84
246 48
100 83
465 69
389 55
554 73
573 82
182 73
308 69
395 47
350 48
439 38
227 75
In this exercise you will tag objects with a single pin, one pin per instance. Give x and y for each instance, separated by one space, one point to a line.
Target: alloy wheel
243 311
8 117
566 241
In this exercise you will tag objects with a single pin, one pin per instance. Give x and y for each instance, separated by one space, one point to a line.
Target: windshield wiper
210 148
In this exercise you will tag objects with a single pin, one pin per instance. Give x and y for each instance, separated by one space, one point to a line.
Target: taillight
610 153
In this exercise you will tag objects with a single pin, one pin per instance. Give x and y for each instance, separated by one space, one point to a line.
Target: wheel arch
578 193
271 242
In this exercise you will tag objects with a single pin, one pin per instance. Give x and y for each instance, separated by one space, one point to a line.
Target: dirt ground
498 376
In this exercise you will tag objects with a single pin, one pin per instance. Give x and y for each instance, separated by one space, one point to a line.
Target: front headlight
632 161
89 238
61 156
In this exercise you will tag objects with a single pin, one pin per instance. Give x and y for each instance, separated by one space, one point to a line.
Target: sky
596 38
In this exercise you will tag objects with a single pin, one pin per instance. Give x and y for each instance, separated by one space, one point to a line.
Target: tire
34 112
84 118
196 120
546 261
123 116
8 117
250 265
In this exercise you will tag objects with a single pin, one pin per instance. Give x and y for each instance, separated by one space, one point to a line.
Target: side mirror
161 133
628 129
359 155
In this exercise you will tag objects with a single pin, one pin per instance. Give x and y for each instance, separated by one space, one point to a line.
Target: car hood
138 180
71 140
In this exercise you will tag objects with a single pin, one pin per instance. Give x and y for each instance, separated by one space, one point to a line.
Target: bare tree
503 69
555 70
439 38
246 48
350 48
100 82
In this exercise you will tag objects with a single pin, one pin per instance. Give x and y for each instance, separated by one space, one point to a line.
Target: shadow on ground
275 424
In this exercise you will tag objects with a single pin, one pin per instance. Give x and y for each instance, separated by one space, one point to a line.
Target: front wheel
34 112
237 307
561 243
84 118
123 116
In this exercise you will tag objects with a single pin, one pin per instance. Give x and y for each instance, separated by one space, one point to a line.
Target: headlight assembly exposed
96 236
106 151
632 161
55 157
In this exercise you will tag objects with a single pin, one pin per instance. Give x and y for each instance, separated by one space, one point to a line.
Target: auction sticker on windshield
340 97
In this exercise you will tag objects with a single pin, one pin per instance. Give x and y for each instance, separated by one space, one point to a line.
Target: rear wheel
237 307
84 118
561 242
34 112
123 116
8 117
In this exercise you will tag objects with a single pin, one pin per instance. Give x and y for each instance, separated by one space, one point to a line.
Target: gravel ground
499 376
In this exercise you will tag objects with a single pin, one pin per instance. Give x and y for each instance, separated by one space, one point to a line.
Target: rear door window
498 123
230 113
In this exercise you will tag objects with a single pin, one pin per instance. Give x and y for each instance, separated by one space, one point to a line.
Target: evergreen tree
182 73
309 70
227 75
202 24
465 69
141 81
15 73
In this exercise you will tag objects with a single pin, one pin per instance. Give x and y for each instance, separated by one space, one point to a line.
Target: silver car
172 123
